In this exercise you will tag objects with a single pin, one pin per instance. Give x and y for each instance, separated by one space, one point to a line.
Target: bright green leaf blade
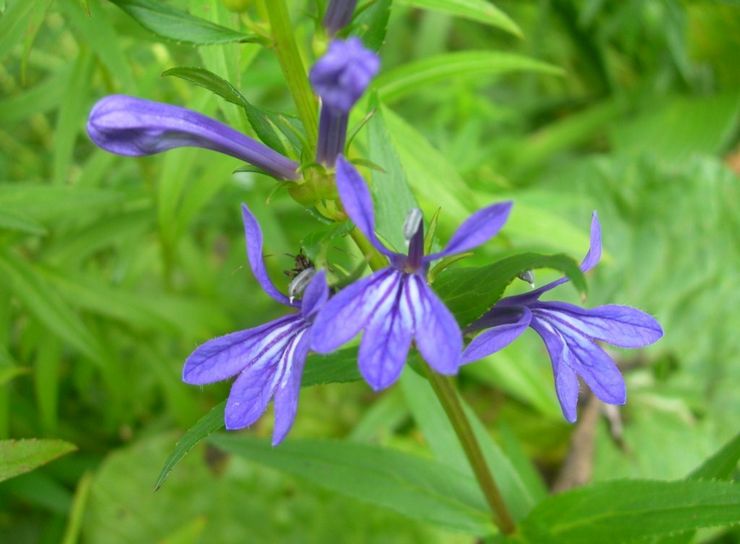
13 23
476 10
339 367
721 465
174 24
622 511
44 303
14 220
209 423
208 80
416 487
445 445
7 373
469 292
20 456
413 76
42 202
393 198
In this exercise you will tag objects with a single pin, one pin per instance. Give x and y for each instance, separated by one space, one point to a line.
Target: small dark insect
300 263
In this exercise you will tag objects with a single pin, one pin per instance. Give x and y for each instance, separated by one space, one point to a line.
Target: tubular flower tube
268 360
395 305
570 334
339 78
338 15
135 127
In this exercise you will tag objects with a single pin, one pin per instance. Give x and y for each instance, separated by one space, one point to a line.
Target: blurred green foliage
112 269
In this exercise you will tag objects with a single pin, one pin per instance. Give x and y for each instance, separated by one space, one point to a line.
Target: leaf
20 456
8 373
442 440
413 76
207 80
13 23
43 203
44 303
174 24
372 24
721 465
625 510
476 10
14 220
336 368
393 198
262 122
209 423
469 292
416 487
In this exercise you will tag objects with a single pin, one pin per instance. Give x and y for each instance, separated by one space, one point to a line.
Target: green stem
447 395
446 392
291 63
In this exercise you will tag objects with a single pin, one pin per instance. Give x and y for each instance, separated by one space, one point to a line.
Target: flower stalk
292 65
446 393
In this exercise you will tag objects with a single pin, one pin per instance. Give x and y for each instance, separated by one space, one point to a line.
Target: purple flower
134 127
339 78
268 359
338 15
570 334
395 305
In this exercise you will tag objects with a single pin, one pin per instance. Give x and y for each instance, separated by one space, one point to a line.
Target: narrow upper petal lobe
253 235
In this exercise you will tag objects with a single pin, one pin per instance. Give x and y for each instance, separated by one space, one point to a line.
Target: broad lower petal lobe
566 380
386 340
253 235
476 230
588 360
288 389
499 335
226 356
258 382
436 333
348 311
618 325
357 201
315 295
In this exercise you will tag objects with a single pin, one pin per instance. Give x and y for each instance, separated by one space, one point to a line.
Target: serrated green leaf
410 77
20 456
372 24
339 367
174 24
476 10
720 466
469 292
622 511
393 198
416 487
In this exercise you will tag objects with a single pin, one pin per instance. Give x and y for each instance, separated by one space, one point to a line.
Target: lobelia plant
395 306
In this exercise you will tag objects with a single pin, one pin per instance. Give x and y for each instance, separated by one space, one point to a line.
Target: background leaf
19 456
